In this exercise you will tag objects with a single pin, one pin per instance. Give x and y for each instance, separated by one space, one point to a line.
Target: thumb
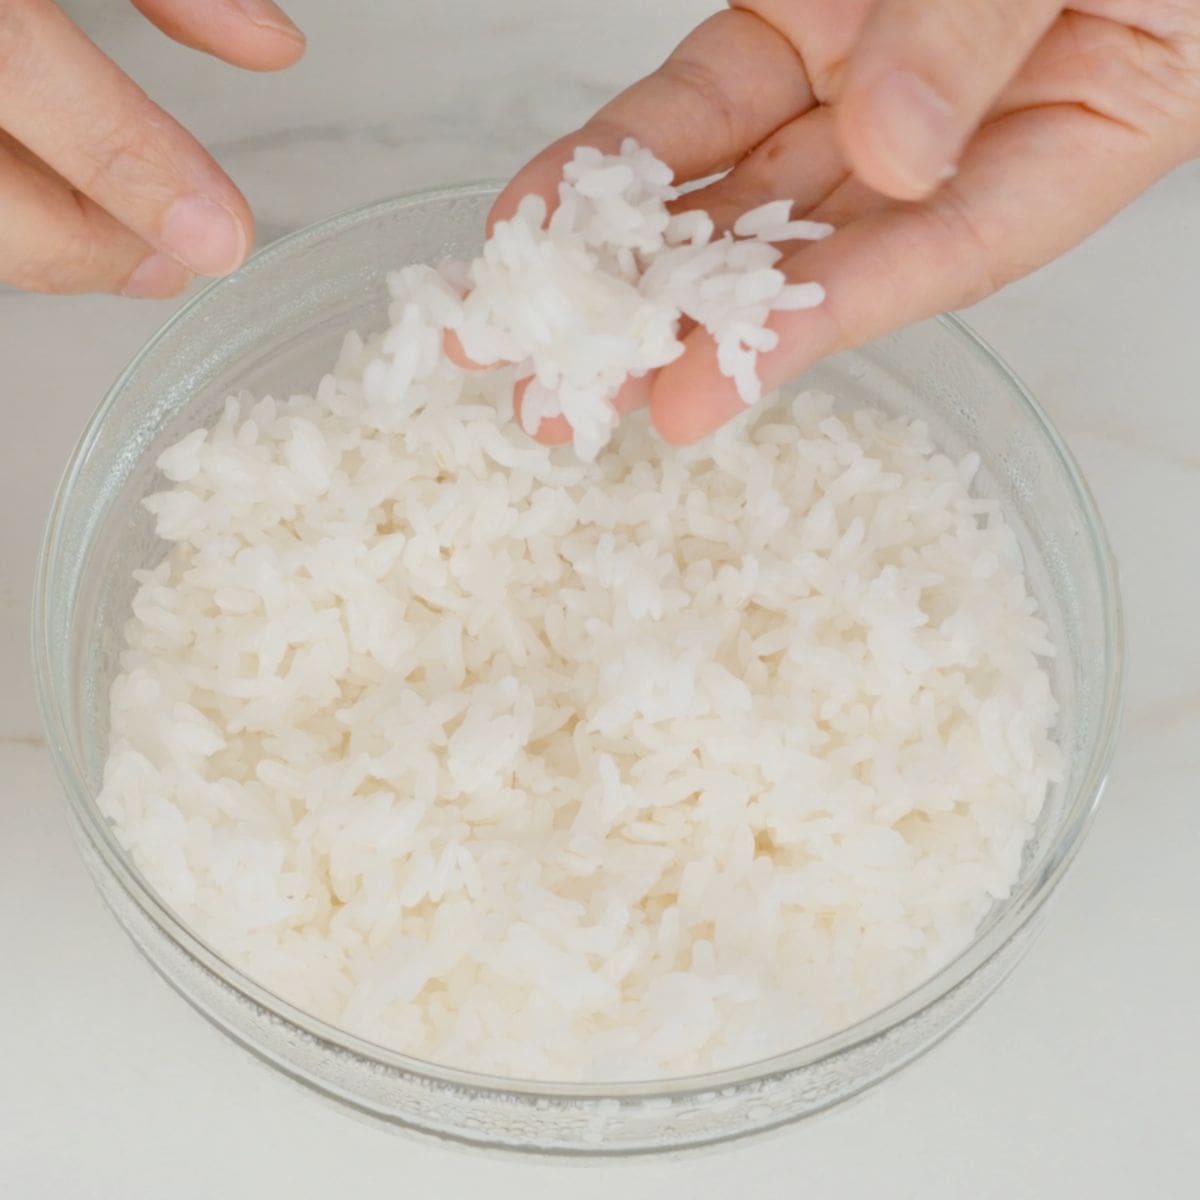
920 80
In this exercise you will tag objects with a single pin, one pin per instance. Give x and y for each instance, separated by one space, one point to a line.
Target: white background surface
1080 1078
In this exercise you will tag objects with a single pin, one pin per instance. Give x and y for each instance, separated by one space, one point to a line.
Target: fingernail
270 16
156 277
919 132
204 235
633 394
456 354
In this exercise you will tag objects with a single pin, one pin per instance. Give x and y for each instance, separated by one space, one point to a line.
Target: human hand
955 144
100 190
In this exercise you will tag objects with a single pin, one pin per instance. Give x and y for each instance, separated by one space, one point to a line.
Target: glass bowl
276 325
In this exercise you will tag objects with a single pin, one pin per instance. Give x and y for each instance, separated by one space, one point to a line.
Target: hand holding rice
598 293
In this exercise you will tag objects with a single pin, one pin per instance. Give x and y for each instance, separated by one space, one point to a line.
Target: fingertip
278 52
453 348
690 398
272 41
634 393
254 34
900 137
553 431
218 198
243 213
208 236
537 179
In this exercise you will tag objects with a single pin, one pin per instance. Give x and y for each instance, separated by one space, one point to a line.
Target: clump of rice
605 286
567 769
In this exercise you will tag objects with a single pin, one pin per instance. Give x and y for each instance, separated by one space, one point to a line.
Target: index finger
725 87
81 115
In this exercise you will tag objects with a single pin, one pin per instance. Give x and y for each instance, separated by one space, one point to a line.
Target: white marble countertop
1080 1078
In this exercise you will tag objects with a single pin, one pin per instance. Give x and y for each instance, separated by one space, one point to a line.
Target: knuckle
72 261
971 250
65 270
719 113
33 274
1115 65
77 256
964 46
1171 84
1141 78
125 156
966 27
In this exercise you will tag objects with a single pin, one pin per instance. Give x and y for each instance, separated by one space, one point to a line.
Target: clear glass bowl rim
1020 907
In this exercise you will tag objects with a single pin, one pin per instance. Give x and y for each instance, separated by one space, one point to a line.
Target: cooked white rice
567 769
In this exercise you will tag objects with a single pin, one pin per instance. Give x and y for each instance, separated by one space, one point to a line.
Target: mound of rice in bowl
603 767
